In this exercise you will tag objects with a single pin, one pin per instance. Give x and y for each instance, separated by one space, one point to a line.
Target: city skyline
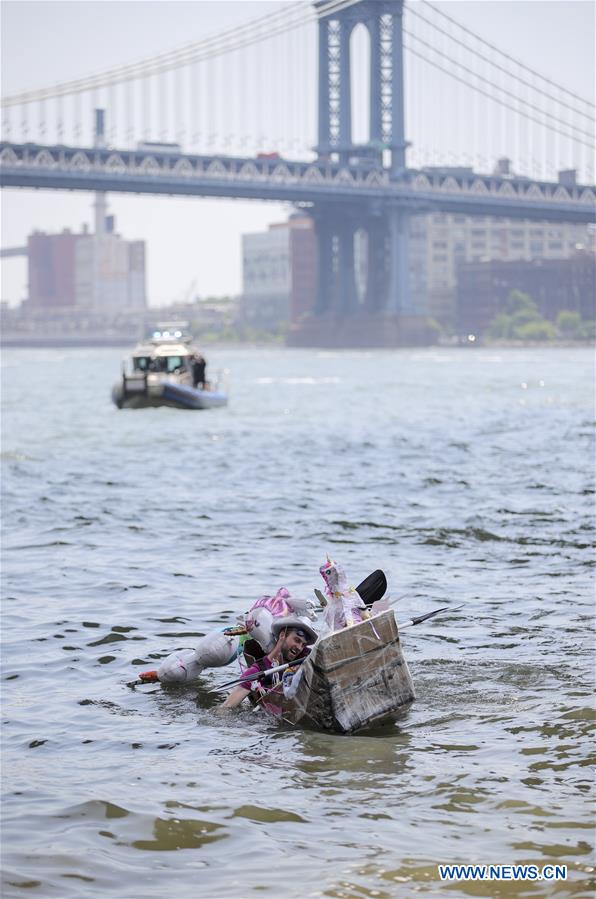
194 245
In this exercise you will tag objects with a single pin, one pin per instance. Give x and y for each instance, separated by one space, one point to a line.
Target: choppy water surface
465 474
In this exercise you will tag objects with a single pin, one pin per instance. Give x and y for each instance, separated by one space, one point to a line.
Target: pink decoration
277 605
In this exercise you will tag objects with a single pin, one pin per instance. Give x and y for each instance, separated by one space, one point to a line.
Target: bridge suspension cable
490 104
507 56
491 96
209 47
497 87
254 31
507 71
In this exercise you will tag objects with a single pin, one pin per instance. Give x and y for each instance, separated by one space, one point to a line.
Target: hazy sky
195 241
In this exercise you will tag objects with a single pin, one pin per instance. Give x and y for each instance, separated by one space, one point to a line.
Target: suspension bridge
324 105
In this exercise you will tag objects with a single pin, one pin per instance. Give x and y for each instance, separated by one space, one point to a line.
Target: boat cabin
167 350
167 359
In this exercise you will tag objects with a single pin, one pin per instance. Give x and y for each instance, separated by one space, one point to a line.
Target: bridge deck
367 189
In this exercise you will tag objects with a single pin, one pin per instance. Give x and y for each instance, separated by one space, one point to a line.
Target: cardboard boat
353 678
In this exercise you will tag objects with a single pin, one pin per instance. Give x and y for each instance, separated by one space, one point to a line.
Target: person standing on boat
198 366
293 636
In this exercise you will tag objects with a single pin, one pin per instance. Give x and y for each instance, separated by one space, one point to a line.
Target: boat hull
166 393
353 678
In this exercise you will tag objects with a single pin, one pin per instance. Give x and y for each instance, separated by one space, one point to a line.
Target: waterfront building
86 271
51 260
440 243
279 265
279 273
554 285
86 288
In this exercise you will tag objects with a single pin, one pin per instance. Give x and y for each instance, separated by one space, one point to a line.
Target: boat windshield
161 363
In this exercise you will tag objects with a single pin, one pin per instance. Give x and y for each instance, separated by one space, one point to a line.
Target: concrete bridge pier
377 269
325 296
346 271
336 277
398 294
387 316
405 314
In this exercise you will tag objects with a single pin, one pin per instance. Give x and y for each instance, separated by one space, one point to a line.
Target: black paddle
372 588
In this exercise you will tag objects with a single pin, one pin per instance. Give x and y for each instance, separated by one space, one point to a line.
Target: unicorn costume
344 606
221 647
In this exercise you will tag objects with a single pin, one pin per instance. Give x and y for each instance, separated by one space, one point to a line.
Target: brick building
52 267
554 285
85 271
279 272
441 243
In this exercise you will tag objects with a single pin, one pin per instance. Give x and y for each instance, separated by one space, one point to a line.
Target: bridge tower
385 310
383 20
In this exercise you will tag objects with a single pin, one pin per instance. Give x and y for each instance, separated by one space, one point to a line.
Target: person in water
293 636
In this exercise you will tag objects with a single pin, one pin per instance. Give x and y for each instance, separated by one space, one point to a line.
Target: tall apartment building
279 272
440 242
85 271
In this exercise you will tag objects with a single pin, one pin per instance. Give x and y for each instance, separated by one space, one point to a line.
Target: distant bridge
359 175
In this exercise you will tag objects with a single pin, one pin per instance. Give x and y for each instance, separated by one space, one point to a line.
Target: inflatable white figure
212 651
344 605
221 647
258 623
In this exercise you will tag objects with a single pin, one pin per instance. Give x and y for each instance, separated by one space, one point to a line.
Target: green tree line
523 321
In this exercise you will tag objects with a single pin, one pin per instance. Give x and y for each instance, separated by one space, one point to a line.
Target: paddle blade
321 597
372 587
419 618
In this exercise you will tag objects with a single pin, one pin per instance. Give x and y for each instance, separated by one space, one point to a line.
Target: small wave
266 815
355 525
96 809
456 536
115 636
39 545
17 456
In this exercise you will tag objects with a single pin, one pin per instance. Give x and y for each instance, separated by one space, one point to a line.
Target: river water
465 474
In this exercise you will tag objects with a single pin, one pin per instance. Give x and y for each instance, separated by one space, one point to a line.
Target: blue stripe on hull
191 398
